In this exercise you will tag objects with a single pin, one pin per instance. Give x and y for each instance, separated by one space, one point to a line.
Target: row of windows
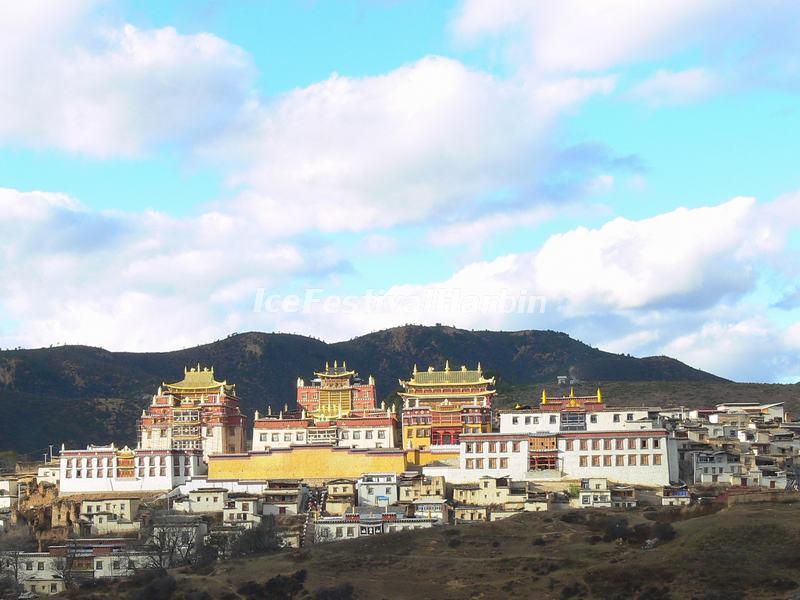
618 460
345 435
615 443
492 463
534 420
491 447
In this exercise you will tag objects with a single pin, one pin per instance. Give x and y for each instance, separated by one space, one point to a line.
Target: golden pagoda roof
197 378
448 376
336 370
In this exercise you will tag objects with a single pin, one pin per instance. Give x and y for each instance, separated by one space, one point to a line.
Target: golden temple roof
448 376
336 370
197 378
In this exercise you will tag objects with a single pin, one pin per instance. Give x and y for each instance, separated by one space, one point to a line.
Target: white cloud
71 83
634 286
135 281
359 153
747 350
676 87
584 35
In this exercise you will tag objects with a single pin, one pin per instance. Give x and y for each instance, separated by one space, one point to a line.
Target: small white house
377 489
593 493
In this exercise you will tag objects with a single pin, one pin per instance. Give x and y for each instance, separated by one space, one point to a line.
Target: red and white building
197 413
111 469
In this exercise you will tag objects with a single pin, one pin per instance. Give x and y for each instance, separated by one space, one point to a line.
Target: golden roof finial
415 369
572 392
447 365
479 367
599 395
335 365
544 396
344 365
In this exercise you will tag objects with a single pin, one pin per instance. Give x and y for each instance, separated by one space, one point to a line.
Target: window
368 435
643 443
616 419
478 463
631 443
40 566
468 448
492 463
631 460
492 447
381 434
503 463
535 420
584 444
98 566
620 444
645 460
339 532
568 445
607 460
592 418
115 565
629 417
276 437
356 435
470 463
527 420
595 444
607 444
515 446
596 460
287 437
345 435
620 460
656 443
503 447
300 436
656 459
515 420
582 461
552 419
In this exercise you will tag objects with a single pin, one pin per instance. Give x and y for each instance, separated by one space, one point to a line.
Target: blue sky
165 167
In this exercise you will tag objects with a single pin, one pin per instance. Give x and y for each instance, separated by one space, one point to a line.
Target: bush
539 541
283 587
454 542
664 532
342 591
617 529
160 588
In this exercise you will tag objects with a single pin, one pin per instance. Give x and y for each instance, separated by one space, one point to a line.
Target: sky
626 172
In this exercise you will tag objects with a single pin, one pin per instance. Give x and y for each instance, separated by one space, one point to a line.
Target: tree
259 540
170 545
12 546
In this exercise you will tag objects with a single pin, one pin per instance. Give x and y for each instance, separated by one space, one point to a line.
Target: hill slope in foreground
747 551
79 394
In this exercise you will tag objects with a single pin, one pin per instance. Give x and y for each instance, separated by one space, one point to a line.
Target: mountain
79 394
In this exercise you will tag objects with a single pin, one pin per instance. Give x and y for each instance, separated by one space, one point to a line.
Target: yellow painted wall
426 456
305 463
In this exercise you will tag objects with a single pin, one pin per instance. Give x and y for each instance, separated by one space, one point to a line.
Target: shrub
539 541
343 591
454 542
664 532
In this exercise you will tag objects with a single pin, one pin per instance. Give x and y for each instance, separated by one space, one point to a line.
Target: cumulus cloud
72 83
358 153
646 286
136 281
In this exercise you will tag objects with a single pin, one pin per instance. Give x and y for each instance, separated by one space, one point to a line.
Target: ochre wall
426 456
306 463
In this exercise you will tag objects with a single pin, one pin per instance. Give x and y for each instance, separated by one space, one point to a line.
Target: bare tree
169 546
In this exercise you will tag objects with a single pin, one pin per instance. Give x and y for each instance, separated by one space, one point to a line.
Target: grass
746 551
